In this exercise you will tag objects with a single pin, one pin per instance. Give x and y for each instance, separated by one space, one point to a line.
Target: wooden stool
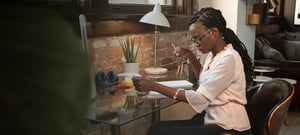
291 81
262 69
260 78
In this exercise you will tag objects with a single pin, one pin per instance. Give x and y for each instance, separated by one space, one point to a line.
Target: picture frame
297 13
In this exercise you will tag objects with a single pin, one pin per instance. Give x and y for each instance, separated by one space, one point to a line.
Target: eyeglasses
198 39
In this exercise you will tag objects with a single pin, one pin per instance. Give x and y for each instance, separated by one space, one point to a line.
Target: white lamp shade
155 17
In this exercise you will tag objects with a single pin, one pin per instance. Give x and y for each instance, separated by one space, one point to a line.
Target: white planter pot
131 68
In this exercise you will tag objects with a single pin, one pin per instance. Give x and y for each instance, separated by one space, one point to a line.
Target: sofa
282 51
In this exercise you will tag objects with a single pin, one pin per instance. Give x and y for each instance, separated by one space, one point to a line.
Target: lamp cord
155 36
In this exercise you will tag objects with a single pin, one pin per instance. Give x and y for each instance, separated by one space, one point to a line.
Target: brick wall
106 55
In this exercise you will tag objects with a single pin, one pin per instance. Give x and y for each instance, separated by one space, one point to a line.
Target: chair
267 106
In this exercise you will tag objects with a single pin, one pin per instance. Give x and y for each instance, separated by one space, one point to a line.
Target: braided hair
210 18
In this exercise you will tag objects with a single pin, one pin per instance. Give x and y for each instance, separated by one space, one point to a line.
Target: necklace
208 65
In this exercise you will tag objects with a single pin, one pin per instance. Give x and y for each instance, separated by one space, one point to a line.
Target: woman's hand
142 84
182 52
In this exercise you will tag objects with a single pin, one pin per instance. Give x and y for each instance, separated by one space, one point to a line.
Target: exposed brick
114 51
98 43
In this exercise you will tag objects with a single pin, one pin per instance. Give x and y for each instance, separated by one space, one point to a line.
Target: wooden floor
293 127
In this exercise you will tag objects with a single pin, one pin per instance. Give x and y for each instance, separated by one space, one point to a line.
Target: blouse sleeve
196 100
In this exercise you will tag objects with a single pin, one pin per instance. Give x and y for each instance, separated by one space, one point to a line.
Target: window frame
103 7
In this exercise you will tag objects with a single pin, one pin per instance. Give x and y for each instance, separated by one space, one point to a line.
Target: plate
156 76
156 71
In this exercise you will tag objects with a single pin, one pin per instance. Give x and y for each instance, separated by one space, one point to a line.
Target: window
137 6
144 2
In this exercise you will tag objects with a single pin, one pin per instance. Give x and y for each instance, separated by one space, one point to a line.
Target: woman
222 80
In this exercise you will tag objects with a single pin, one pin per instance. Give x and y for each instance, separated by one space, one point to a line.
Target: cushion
259 43
272 53
276 42
292 36
292 49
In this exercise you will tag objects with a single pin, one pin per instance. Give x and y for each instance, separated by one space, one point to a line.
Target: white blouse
222 91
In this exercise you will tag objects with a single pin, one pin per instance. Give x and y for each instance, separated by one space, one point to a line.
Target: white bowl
156 71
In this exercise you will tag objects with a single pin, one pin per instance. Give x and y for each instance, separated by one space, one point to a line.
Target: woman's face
201 36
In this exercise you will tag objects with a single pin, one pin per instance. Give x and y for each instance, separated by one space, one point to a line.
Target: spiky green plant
129 49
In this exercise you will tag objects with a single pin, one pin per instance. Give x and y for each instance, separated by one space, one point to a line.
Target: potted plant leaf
130 51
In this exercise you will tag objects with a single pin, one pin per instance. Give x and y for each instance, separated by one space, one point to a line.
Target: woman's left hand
142 84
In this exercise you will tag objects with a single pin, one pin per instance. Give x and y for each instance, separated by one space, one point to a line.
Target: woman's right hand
141 84
182 52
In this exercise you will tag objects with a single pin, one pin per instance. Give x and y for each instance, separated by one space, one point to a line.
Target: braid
230 37
210 18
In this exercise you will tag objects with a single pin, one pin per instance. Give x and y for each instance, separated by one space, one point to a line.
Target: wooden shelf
120 24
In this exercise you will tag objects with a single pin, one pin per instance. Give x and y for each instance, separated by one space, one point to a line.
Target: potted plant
130 51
